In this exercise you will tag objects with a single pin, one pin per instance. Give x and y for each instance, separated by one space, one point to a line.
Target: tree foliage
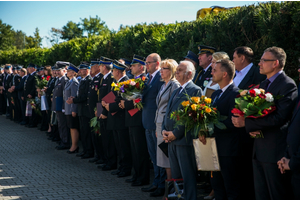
71 30
94 26
6 36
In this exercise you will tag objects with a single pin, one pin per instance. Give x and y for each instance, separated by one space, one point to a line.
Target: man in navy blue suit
269 183
181 150
148 115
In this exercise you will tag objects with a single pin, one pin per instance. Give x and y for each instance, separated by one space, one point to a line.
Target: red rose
48 78
137 100
262 96
237 111
137 85
43 78
126 86
252 93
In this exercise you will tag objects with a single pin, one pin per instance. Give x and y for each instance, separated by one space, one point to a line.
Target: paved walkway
30 168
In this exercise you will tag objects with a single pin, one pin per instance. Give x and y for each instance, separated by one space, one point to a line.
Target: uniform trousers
122 143
97 144
109 148
139 151
64 131
85 135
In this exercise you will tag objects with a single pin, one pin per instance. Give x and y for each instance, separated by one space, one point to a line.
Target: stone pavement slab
31 168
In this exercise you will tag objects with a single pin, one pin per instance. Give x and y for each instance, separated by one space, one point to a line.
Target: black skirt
72 122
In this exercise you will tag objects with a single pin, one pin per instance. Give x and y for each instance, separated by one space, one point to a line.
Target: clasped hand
168 136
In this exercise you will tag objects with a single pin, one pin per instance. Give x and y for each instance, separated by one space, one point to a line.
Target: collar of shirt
139 75
84 78
225 88
121 78
274 77
106 75
207 68
32 73
60 78
96 75
244 71
184 85
154 73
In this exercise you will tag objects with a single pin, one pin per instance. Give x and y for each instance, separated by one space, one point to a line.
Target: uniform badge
205 83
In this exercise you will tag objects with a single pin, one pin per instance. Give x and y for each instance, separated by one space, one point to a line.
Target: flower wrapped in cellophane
198 115
131 90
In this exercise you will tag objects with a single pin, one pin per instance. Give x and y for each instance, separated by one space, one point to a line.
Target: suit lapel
154 80
276 82
247 77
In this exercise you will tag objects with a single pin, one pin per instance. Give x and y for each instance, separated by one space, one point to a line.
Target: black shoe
94 160
50 138
139 183
62 147
80 154
152 188
108 168
75 151
131 180
123 174
23 123
85 156
158 192
115 172
99 162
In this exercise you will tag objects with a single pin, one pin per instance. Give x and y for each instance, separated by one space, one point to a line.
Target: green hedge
259 27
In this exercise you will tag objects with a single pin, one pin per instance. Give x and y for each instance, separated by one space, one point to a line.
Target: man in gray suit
181 150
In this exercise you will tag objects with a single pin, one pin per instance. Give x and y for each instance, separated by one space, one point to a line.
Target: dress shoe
23 123
108 168
62 147
131 180
75 151
85 156
115 172
123 174
94 160
99 162
139 183
152 188
80 154
50 138
158 192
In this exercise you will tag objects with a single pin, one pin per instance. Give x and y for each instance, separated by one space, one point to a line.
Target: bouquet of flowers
131 90
254 103
35 105
199 116
95 124
40 84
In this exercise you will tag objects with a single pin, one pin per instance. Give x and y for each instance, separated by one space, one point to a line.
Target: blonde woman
167 71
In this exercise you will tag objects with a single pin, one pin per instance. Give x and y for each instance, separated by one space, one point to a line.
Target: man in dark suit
291 160
116 122
30 92
148 115
247 74
139 151
181 150
17 114
205 57
83 110
109 148
226 183
269 183
2 99
58 105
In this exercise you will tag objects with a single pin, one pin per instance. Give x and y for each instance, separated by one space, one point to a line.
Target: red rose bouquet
254 103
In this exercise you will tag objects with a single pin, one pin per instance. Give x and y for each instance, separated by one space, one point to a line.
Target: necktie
150 78
266 84
201 73
219 92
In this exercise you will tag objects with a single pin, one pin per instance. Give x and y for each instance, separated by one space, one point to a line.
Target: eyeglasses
164 68
148 63
265 60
